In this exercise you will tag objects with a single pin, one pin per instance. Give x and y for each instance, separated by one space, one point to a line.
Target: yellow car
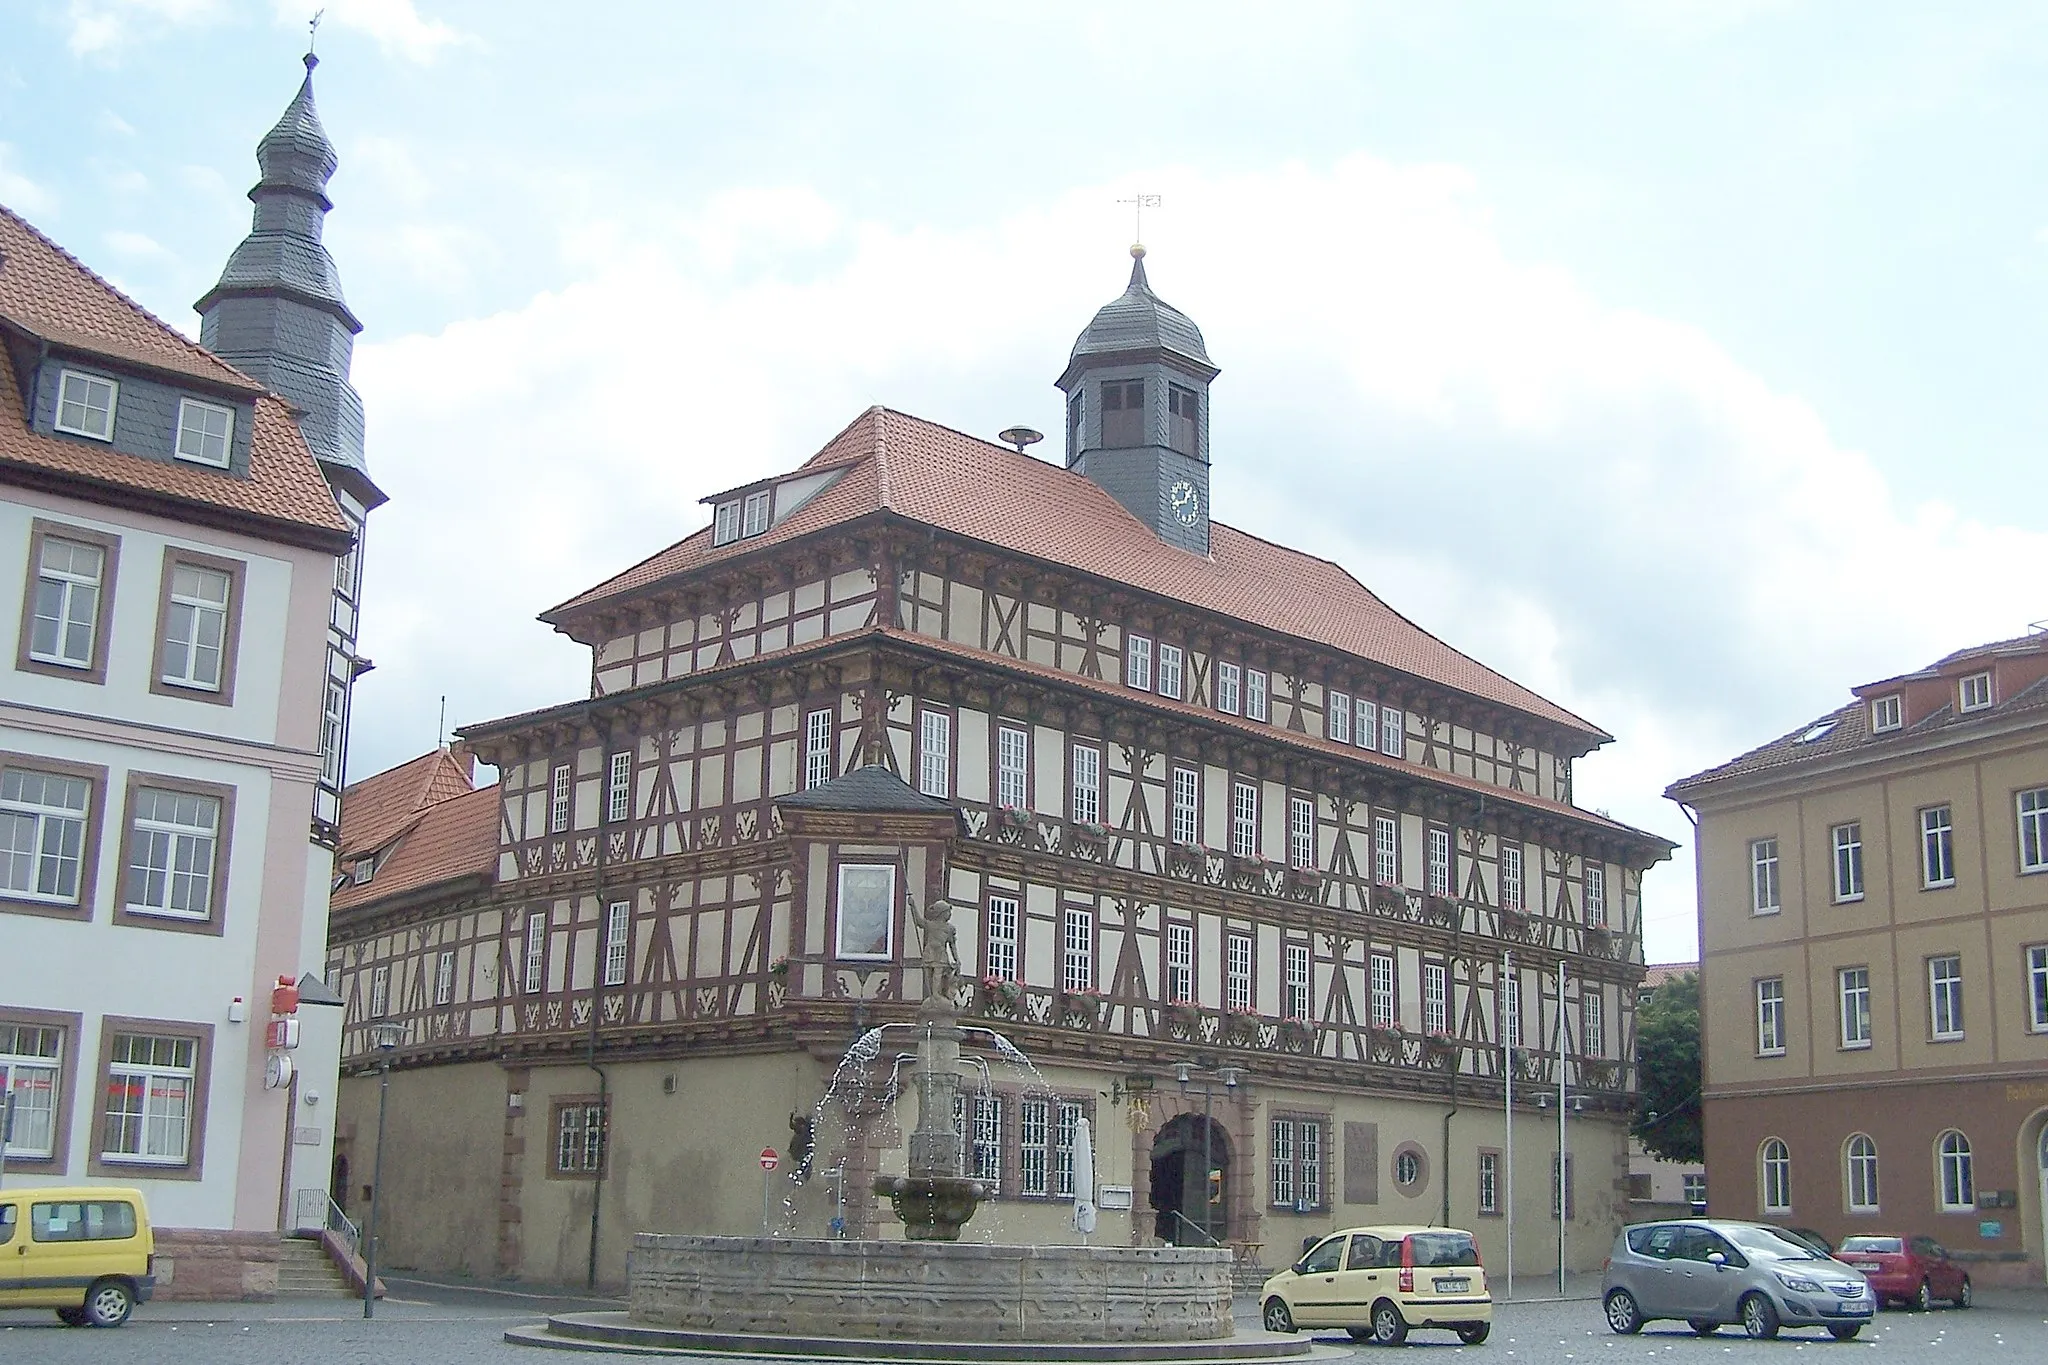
87 1252
1380 1283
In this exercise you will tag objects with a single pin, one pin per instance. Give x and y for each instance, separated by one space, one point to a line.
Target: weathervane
1139 203
313 30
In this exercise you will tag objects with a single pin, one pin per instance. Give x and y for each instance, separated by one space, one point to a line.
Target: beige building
1202 806
1874 927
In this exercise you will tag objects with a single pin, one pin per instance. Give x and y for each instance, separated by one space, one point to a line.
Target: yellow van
86 1251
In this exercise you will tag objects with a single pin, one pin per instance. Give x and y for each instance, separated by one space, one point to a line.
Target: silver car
1709 1272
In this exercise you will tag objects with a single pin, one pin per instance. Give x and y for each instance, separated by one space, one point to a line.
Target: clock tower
1137 389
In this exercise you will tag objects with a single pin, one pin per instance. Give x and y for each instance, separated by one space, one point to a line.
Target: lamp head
1180 1072
385 1036
1230 1076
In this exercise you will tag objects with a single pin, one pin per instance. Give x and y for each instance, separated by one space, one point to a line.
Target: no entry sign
769 1159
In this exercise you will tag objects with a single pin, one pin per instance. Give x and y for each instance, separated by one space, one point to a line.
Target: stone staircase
305 1271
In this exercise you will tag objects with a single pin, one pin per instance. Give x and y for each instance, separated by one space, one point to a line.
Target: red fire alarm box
285 998
284 1034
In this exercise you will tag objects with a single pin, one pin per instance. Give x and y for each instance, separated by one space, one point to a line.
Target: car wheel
1844 1331
1962 1299
1473 1333
1277 1318
108 1304
1624 1315
1759 1316
1922 1299
71 1317
1703 1326
1360 1333
1389 1328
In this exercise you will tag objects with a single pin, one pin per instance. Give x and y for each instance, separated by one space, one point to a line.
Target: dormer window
1183 418
725 525
365 868
1976 692
1886 713
85 405
754 514
205 432
738 518
1123 413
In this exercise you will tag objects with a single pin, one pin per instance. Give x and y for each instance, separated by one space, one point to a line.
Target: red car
1914 1271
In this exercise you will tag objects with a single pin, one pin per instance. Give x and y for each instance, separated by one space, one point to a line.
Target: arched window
1958 1182
1777 1173
1861 1153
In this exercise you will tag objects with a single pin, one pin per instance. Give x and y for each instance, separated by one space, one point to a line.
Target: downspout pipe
604 1161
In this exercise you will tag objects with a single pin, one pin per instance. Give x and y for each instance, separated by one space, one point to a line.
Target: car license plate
1866 1265
1453 1286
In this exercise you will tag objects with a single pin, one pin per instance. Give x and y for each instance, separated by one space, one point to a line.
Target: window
364 869
2033 813
1301 831
1489 1182
206 432
1764 896
1854 983
31 1059
1937 847
346 566
85 405
1297 1003
1408 1168
1074 416
1123 413
725 523
817 748
1596 896
1013 767
536 950
558 799
1945 997
1000 942
1063 1149
1511 1011
1298 1164
866 927
1860 1155
444 979
1244 819
935 754
1237 972
173 840
193 649
1848 841
579 1137
1887 713
618 933
1439 862
1227 687
1077 950
1255 694
1958 1183
1180 963
1563 1197
1087 802
42 835
1510 876
1393 733
1777 1176
380 991
1383 999
1386 849
1770 1017
1367 726
333 733
1975 692
1593 1023
1436 1017
152 1087
1138 663
1169 671
1183 418
1695 1189
1034 1146
1187 806
64 610
985 1145
618 801
2037 989
754 513
1337 720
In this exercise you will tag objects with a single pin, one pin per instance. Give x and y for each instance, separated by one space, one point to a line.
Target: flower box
779 968
1012 817
1179 1019
1389 900
1241 1026
1080 1008
1296 1034
1000 998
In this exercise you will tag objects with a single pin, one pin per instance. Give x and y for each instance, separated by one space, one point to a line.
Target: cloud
395 26
1603 504
102 27
134 246
19 192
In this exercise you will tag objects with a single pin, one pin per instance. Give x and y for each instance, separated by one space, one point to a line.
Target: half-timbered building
1267 881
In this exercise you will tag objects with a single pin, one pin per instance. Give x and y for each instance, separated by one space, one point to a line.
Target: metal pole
1208 1161
376 1191
767 1177
1561 1190
1507 968
6 1127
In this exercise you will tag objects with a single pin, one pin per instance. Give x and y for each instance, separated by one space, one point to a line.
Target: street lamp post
1230 1076
385 1038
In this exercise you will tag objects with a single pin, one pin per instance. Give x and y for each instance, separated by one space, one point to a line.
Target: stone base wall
214 1265
930 1291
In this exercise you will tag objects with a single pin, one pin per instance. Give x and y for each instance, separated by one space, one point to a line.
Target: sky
1678 359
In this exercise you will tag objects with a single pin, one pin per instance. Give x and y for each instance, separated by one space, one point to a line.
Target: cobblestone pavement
439 1325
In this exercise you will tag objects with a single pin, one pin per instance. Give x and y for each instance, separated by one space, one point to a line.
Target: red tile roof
932 474
455 839
47 295
376 809
1657 973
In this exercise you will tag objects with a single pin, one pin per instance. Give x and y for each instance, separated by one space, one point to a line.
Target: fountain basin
933 1208
929 1291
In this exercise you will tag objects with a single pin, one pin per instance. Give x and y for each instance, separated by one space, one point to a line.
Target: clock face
1186 501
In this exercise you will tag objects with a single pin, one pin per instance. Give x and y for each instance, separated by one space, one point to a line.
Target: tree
1668 1071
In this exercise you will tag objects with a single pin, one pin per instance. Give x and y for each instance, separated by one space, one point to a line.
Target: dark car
1914 1271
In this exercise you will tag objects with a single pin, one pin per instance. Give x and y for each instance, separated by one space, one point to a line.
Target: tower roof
295 154
1139 321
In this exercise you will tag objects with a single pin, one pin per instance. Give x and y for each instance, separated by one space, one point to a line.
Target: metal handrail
340 1224
1197 1227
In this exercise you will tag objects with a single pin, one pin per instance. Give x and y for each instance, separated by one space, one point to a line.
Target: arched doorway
2041 1161
1189 1208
